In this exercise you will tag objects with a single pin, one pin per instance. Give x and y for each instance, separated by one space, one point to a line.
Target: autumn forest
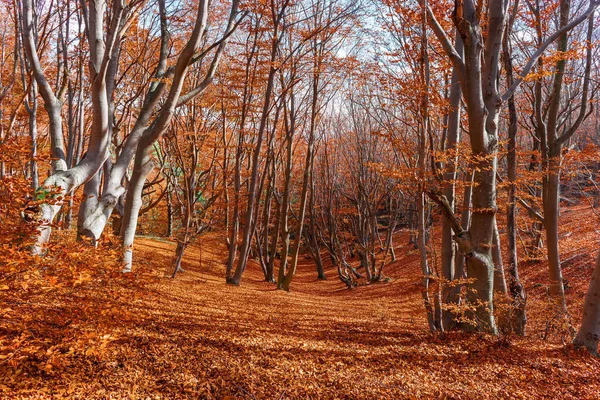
299 199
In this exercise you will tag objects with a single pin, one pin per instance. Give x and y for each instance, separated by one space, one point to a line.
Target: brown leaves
108 335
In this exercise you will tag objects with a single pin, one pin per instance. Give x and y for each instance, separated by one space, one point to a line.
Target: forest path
145 335
322 340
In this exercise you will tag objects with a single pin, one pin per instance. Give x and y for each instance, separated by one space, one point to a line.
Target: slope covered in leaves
105 335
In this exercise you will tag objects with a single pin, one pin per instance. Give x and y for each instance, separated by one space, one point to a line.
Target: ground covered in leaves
100 334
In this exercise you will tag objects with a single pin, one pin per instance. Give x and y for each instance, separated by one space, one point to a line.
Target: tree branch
538 53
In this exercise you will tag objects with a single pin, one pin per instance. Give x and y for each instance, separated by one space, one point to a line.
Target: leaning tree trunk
133 201
143 163
95 212
64 180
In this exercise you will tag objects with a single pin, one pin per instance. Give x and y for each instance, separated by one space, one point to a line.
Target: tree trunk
424 265
252 190
312 230
589 332
518 316
499 279
63 181
449 295
133 201
283 215
551 213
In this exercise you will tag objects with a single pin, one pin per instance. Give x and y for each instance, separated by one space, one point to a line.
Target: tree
64 180
479 70
589 332
143 163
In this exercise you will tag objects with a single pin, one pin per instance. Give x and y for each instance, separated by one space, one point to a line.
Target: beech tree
554 127
479 70
143 163
101 45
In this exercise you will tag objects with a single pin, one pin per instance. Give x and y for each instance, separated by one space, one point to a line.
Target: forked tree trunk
552 143
63 180
143 163
480 76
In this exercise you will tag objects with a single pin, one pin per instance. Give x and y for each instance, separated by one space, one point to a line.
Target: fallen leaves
96 333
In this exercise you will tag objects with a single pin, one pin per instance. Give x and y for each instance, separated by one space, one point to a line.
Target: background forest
421 177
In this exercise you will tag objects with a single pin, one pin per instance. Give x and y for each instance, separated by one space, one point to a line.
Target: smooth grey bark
547 129
98 214
32 106
64 180
91 189
95 211
499 278
480 74
143 163
449 295
518 315
589 331
553 135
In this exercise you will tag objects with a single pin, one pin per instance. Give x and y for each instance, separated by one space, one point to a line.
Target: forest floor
143 335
